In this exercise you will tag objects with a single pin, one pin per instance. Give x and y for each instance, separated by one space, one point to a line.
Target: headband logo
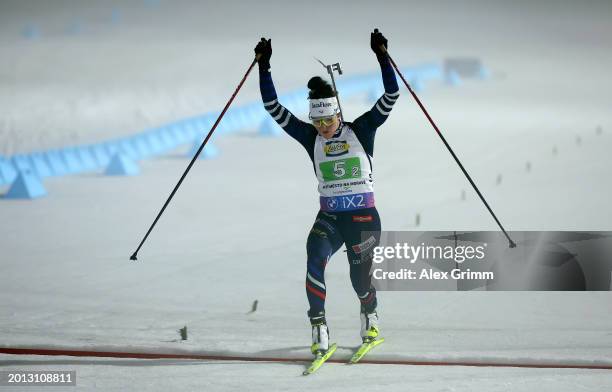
321 104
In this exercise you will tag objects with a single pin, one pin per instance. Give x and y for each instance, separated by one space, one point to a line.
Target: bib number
341 169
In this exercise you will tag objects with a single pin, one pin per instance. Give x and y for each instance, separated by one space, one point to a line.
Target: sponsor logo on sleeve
362 218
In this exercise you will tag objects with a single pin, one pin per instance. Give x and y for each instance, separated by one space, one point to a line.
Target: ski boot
369 326
369 334
320 333
321 348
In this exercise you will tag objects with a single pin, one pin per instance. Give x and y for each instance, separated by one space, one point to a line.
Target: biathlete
341 153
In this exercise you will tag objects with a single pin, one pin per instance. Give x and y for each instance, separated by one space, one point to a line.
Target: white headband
323 107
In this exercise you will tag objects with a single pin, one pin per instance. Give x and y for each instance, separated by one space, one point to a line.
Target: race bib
341 169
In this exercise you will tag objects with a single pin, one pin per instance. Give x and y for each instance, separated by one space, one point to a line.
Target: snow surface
235 232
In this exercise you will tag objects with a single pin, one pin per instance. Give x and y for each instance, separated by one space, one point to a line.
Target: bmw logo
332 204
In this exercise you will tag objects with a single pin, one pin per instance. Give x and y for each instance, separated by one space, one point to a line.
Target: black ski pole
178 184
433 124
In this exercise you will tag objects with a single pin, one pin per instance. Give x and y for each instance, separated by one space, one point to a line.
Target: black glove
264 49
376 40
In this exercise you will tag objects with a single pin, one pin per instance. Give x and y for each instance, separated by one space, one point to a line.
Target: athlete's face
327 127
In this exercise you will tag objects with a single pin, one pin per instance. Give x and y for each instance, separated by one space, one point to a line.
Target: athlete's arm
376 116
297 129
366 124
302 132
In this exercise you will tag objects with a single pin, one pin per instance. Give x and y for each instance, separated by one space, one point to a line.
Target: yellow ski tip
319 361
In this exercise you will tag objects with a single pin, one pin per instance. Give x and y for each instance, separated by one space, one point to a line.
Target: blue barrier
166 138
56 163
210 151
27 185
119 156
484 73
269 127
111 148
155 143
140 146
122 165
71 160
425 71
100 154
255 113
126 148
87 160
452 79
7 171
417 84
190 130
178 132
374 94
40 166
186 131
21 162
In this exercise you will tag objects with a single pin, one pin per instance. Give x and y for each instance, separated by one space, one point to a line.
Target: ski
364 349
320 360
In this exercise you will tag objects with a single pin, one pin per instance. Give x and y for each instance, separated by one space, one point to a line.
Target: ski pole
178 184
512 244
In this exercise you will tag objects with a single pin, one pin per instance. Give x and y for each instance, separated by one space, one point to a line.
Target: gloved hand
376 40
264 49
